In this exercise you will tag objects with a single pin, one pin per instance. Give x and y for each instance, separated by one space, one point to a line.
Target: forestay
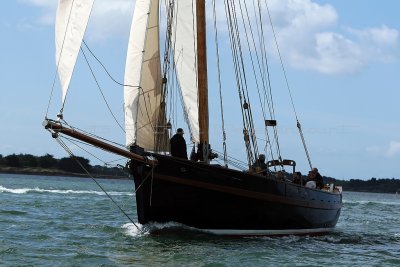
71 22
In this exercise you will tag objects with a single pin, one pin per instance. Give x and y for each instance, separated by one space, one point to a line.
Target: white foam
131 230
59 191
134 231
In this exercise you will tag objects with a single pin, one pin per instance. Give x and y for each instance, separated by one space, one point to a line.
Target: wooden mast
202 76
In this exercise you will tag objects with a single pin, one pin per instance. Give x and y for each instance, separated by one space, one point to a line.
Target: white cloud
108 18
42 3
388 151
380 36
47 15
309 34
330 53
394 149
305 33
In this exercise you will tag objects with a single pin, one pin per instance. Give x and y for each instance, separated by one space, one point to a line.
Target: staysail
71 21
184 40
143 101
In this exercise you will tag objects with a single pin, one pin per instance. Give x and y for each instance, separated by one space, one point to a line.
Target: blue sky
342 60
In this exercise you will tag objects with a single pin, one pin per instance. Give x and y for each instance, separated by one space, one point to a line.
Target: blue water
59 221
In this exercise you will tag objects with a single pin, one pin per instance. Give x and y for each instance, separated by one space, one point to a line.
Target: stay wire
101 91
268 96
262 74
281 60
72 141
237 57
108 164
58 64
93 135
249 115
105 69
66 148
219 86
141 91
233 45
288 87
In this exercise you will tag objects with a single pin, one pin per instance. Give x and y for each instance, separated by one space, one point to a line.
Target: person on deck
297 178
318 178
259 165
178 145
311 180
280 175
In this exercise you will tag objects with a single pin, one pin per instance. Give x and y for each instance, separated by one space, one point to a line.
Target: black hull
227 201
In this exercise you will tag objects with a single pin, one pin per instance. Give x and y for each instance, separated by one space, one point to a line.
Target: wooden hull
225 201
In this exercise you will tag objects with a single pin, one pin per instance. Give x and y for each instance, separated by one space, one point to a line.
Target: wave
371 202
60 191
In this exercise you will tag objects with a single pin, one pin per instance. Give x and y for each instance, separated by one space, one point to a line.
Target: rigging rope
262 74
220 87
101 91
288 87
58 63
93 135
66 148
105 69
241 81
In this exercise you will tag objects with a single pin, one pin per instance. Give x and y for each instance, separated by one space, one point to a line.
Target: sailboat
199 192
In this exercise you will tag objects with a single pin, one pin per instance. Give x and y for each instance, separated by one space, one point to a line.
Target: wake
60 191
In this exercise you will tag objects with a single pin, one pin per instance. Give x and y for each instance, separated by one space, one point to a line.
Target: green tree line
67 164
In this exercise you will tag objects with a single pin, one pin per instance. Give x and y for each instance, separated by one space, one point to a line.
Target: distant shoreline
378 186
55 172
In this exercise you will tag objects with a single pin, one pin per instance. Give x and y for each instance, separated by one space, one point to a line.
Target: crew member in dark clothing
178 145
318 178
259 165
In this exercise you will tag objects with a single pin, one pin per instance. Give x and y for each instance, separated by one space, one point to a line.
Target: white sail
184 40
142 91
71 21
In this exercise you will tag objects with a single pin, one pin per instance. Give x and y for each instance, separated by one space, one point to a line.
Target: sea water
63 221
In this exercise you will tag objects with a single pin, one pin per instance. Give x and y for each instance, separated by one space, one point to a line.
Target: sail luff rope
220 86
58 64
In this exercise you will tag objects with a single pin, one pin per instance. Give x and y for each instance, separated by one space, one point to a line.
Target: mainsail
144 109
184 40
71 21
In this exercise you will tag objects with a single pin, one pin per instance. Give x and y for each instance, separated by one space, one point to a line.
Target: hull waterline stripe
240 232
